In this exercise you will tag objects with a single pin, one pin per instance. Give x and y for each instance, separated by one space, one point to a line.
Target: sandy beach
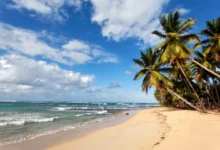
150 129
154 129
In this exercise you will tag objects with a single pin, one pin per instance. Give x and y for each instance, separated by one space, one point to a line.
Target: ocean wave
88 113
26 121
62 108
30 137
78 115
101 112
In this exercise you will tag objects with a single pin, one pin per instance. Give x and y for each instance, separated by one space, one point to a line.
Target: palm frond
207 33
161 46
199 44
163 23
199 55
176 20
165 70
186 25
190 38
139 62
140 74
145 83
159 34
186 49
211 26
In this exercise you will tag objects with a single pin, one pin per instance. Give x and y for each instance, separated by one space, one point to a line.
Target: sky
82 50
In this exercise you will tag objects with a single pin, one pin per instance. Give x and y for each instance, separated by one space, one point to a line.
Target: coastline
151 129
139 132
45 141
154 129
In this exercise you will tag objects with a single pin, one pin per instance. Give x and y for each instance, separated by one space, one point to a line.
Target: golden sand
155 129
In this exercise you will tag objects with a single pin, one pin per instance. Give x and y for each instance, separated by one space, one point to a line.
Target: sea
20 121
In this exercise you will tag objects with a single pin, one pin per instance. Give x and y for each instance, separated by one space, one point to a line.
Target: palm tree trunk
188 80
216 91
210 71
183 99
207 90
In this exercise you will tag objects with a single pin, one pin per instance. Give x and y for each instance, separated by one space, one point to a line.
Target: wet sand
46 141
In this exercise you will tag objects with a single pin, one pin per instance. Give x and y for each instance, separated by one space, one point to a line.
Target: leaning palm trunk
216 91
207 90
183 99
188 80
210 71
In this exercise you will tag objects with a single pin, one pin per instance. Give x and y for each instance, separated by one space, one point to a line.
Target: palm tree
201 75
212 43
151 70
174 48
208 62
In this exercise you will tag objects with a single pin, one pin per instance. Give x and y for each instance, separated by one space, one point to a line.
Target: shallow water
24 120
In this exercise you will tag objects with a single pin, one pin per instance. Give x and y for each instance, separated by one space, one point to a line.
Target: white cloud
128 18
30 43
114 85
76 45
183 11
105 56
128 72
23 75
50 9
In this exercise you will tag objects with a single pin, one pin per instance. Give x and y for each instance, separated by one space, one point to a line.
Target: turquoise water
24 120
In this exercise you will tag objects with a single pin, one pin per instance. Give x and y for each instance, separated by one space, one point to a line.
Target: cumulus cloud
118 19
128 72
50 9
30 43
114 85
128 18
23 75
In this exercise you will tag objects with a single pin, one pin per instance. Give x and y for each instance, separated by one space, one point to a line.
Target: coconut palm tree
174 47
211 45
151 70
202 76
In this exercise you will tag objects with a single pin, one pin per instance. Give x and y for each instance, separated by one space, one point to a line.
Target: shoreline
154 129
139 132
151 129
45 141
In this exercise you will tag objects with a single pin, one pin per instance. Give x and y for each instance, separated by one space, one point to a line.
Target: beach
155 129
149 129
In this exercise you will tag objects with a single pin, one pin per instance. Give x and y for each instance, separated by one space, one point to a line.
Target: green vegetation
184 77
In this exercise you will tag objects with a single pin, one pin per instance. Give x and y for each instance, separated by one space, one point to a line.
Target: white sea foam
78 115
27 120
28 137
62 108
101 112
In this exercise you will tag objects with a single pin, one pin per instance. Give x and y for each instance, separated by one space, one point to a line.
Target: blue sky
82 50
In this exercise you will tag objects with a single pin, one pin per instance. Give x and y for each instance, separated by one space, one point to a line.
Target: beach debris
126 113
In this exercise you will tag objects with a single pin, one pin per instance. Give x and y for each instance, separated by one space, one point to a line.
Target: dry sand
139 132
155 129
191 130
